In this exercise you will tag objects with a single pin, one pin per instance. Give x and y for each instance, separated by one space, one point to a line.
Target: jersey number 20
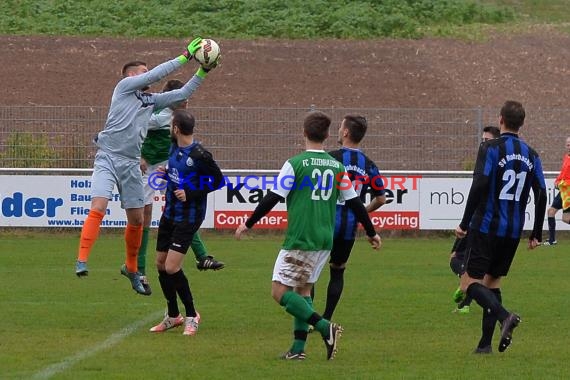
324 188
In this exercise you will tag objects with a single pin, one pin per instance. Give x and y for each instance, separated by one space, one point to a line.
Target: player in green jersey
311 183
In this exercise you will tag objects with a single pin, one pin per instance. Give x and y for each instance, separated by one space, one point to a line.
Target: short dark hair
316 126
184 121
131 64
513 115
357 126
496 132
172 84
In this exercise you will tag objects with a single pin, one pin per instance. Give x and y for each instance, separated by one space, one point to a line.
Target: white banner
442 201
64 200
235 202
60 201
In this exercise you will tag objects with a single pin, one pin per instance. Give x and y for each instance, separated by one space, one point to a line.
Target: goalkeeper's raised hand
203 70
190 50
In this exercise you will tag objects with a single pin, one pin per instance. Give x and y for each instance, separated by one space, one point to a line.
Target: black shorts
176 236
457 263
341 251
557 202
491 255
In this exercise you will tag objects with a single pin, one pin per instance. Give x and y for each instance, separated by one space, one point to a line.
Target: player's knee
277 291
135 216
160 264
171 268
338 265
492 282
466 282
100 204
552 212
276 295
136 221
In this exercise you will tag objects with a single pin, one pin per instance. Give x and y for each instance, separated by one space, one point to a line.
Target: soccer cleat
168 323
135 279
209 262
144 285
293 356
550 243
458 296
81 268
507 327
483 350
462 310
144 279
191 325
335 332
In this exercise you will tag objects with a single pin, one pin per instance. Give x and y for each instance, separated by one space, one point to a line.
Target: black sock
314 319
487 300
334 291
183 290
551 229
488 322
169 292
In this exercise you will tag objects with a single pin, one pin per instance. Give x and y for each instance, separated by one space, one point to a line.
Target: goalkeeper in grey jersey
118 156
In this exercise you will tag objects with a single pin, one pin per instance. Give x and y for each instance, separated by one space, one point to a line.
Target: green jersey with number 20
312 182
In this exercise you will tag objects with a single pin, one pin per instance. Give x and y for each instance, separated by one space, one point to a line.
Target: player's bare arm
376 203
180 195
375 241
240 230
460 233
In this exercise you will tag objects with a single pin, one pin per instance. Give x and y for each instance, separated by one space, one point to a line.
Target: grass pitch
396 311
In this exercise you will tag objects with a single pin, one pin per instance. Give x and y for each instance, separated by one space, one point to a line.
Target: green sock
302 325
198 247
300 330
322 326
296 305
141 261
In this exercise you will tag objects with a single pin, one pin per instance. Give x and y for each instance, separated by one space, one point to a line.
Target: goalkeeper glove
190 50
202 70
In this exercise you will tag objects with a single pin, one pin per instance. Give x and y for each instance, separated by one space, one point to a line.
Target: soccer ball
208 52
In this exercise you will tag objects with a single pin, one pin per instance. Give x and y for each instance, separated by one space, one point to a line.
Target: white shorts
110 170
297 268
150 189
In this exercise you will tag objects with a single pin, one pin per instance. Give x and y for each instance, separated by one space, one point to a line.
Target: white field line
112 340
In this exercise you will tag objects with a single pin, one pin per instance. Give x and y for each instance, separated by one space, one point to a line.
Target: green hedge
298 19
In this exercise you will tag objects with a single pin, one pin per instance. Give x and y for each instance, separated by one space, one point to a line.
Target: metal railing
263 138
